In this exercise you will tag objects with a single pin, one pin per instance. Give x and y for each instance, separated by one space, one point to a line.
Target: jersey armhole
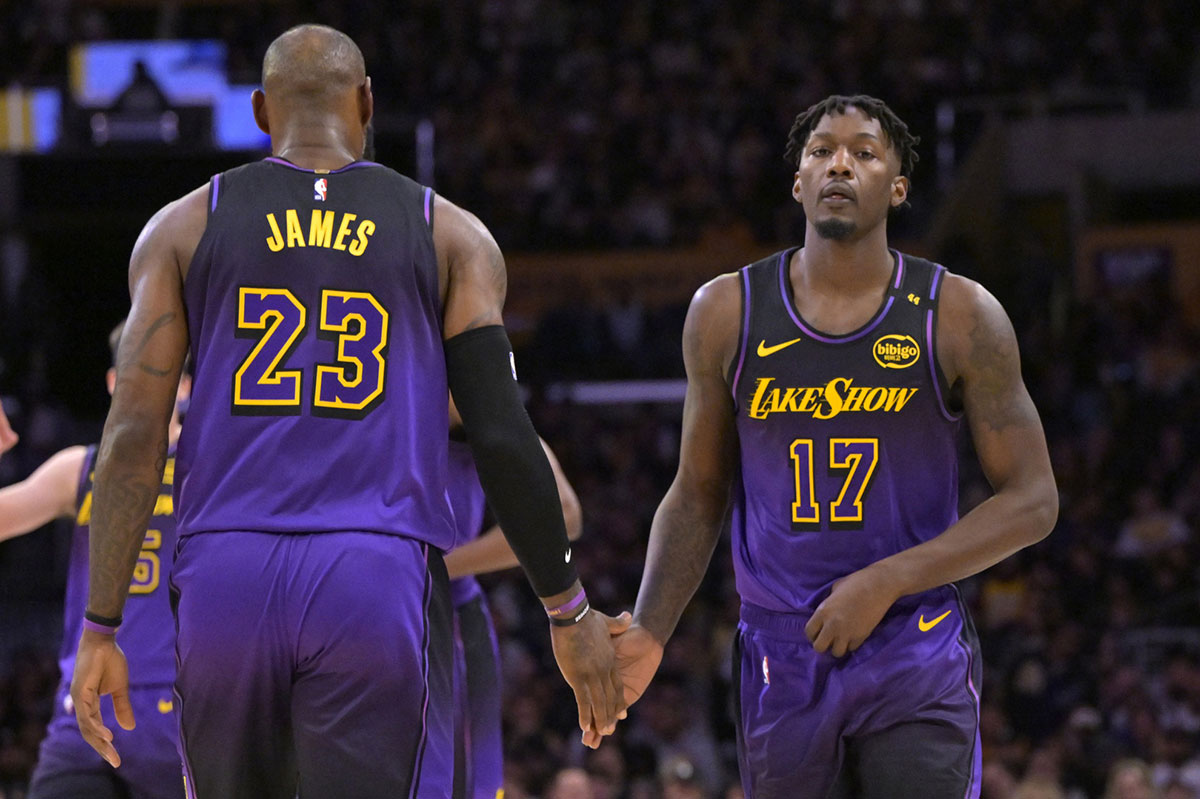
214 193
428 203
940 387
734 374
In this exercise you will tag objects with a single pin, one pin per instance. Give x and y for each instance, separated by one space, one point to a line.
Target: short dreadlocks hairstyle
896 130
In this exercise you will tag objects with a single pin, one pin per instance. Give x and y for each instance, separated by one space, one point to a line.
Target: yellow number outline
345 337
806 510
852 462
812 504
148 567
272 375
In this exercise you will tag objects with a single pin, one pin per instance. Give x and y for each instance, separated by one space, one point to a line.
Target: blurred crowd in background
616 124
642 122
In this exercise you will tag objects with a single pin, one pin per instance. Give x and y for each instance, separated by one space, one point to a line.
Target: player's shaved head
312 63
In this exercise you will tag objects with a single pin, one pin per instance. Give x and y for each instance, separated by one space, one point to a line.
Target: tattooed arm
978 349
978 353
133 452
688 521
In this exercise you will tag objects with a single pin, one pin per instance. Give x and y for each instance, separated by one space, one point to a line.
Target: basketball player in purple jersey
825 387
330 304
478 745
67 767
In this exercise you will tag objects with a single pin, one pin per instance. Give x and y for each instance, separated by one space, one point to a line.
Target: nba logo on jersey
320 189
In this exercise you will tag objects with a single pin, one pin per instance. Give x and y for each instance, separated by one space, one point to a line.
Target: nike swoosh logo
567 557
926 626
764 350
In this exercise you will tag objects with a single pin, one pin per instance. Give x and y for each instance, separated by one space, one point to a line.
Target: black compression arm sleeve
513 469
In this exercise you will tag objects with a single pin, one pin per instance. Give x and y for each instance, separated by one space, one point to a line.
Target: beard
835 229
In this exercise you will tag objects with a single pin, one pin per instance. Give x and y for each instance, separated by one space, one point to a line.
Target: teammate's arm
45 495
491 551
977 346
688 521
133 453
513 470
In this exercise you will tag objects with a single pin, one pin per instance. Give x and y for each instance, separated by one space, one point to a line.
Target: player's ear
796 187
110 380
899 191
259 101
366 102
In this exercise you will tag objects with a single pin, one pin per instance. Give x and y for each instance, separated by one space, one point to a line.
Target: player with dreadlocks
826 386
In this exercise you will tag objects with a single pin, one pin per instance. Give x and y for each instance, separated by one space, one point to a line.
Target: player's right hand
584 652
638 656
8 439
100 669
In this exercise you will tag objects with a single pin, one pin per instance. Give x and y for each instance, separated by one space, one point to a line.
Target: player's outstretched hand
850 613
638 656
100 669
584 652
8 439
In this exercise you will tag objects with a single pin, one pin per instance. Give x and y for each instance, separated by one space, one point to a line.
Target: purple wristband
103 629
567 607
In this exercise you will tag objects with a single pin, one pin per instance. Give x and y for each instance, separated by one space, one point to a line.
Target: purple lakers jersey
470 510
148 631
319 396
848 451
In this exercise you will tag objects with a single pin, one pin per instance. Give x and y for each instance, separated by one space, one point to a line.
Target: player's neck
849 266
316 146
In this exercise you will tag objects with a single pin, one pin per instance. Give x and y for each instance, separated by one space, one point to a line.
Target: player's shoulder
970 321
710 331
963 301
717 305
177 216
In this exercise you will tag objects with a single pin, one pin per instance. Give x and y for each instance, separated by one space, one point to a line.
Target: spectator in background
1150 528
1130 779
570 783
1178 762
1037 788
680 780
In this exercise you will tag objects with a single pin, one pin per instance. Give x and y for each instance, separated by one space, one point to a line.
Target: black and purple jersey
848 450
148 630
319 397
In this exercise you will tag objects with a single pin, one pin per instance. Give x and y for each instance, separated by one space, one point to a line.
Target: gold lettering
344 231
760 388
365 229
833 398
854 399
812 396
875 399
164 506
85 510
788 402
898 398
275 240
295 232
320 229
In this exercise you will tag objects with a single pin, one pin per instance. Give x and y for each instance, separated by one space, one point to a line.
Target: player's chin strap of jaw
513 469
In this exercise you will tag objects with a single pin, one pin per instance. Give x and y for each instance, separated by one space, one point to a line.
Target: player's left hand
100 668
850 613
8 439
